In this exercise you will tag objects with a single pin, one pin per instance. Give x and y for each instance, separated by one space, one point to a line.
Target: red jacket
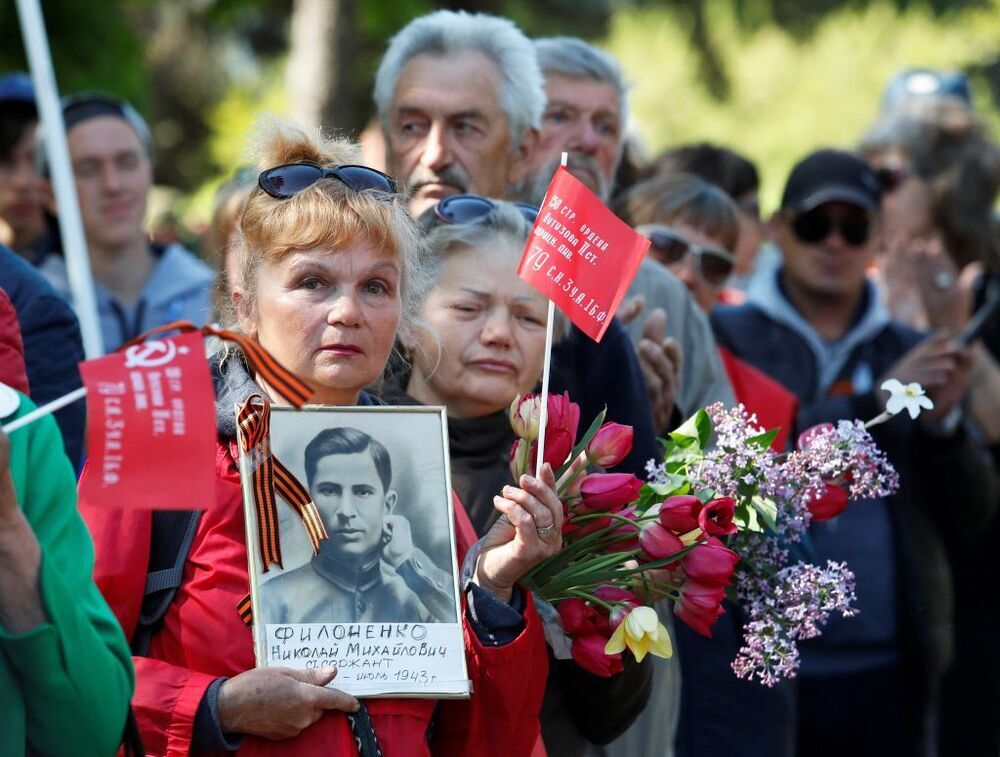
774 405
12 371
204 638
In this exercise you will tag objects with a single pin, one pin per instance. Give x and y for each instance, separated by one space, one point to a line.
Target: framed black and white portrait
367 578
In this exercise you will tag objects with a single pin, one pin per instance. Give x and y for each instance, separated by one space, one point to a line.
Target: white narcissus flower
909 397
643 633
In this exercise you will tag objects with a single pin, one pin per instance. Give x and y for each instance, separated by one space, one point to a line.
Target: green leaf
696 429
767 509
763 441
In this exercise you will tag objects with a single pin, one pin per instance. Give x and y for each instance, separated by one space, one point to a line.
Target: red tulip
610 445
609 491
700 605
716 518
710 563
588 651
658 542
560 429
680 512
810 434
615 594
831 503
580 619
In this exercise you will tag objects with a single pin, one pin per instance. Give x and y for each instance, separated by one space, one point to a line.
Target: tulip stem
590 598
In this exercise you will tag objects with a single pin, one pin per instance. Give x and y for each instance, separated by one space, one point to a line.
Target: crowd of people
396 284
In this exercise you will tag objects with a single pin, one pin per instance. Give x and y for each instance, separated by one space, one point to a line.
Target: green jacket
66 684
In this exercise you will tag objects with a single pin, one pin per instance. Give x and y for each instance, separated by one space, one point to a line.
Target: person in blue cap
23 195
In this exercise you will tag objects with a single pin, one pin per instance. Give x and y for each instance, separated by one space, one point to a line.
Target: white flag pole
51 407
544 416
36 45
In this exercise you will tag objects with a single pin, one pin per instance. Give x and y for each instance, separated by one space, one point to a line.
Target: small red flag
581 255
151 427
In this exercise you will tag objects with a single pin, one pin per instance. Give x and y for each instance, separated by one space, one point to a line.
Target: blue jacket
179 288
52 345
947 486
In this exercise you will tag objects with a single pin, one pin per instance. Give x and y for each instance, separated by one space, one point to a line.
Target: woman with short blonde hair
330 274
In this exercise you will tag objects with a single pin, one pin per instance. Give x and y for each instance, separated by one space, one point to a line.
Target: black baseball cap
832 176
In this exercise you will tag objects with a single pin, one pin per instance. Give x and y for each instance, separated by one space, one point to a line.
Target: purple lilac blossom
784 603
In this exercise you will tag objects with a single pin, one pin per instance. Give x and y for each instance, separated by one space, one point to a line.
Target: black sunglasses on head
817 224
670 248
459 209
283 182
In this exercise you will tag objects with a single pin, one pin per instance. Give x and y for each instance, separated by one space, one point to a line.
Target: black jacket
52 345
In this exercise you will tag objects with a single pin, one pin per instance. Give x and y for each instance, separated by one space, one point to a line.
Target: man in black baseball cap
818 326
829 211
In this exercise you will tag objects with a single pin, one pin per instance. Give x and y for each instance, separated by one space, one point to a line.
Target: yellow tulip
642 632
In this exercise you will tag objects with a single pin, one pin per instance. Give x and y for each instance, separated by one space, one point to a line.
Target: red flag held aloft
151 426
581 255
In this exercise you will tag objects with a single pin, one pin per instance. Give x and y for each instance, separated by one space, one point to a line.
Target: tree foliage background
772 78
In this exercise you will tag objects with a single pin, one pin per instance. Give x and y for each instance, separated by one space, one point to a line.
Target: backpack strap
171 537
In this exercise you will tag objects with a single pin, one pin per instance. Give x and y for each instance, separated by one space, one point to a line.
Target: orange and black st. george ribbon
288 386
270 476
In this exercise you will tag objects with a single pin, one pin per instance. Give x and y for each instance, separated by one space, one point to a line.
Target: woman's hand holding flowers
529 531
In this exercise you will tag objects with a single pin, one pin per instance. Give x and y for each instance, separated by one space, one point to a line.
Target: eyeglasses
816 225
890 177
712 263
459 209
286 181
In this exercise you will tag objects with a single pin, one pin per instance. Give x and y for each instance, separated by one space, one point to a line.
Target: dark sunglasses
286 181
890 177
712 263
816 225
460 209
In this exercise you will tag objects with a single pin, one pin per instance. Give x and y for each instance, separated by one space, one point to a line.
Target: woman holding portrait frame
330 273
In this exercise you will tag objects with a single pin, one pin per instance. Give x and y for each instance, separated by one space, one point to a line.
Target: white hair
443 33
571 56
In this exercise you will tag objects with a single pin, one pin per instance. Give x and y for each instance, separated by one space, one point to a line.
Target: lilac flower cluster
792 605
848 452
785 603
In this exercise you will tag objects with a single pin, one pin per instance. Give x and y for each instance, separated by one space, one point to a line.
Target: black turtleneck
480 450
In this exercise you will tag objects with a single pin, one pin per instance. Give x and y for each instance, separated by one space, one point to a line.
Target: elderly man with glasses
585 116
819 328
459 98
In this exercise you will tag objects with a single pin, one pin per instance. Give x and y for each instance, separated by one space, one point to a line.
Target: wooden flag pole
544 415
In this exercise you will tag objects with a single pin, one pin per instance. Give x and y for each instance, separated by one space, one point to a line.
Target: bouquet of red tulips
713 521
620 553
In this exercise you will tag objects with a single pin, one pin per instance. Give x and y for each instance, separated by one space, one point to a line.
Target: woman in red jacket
330 274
